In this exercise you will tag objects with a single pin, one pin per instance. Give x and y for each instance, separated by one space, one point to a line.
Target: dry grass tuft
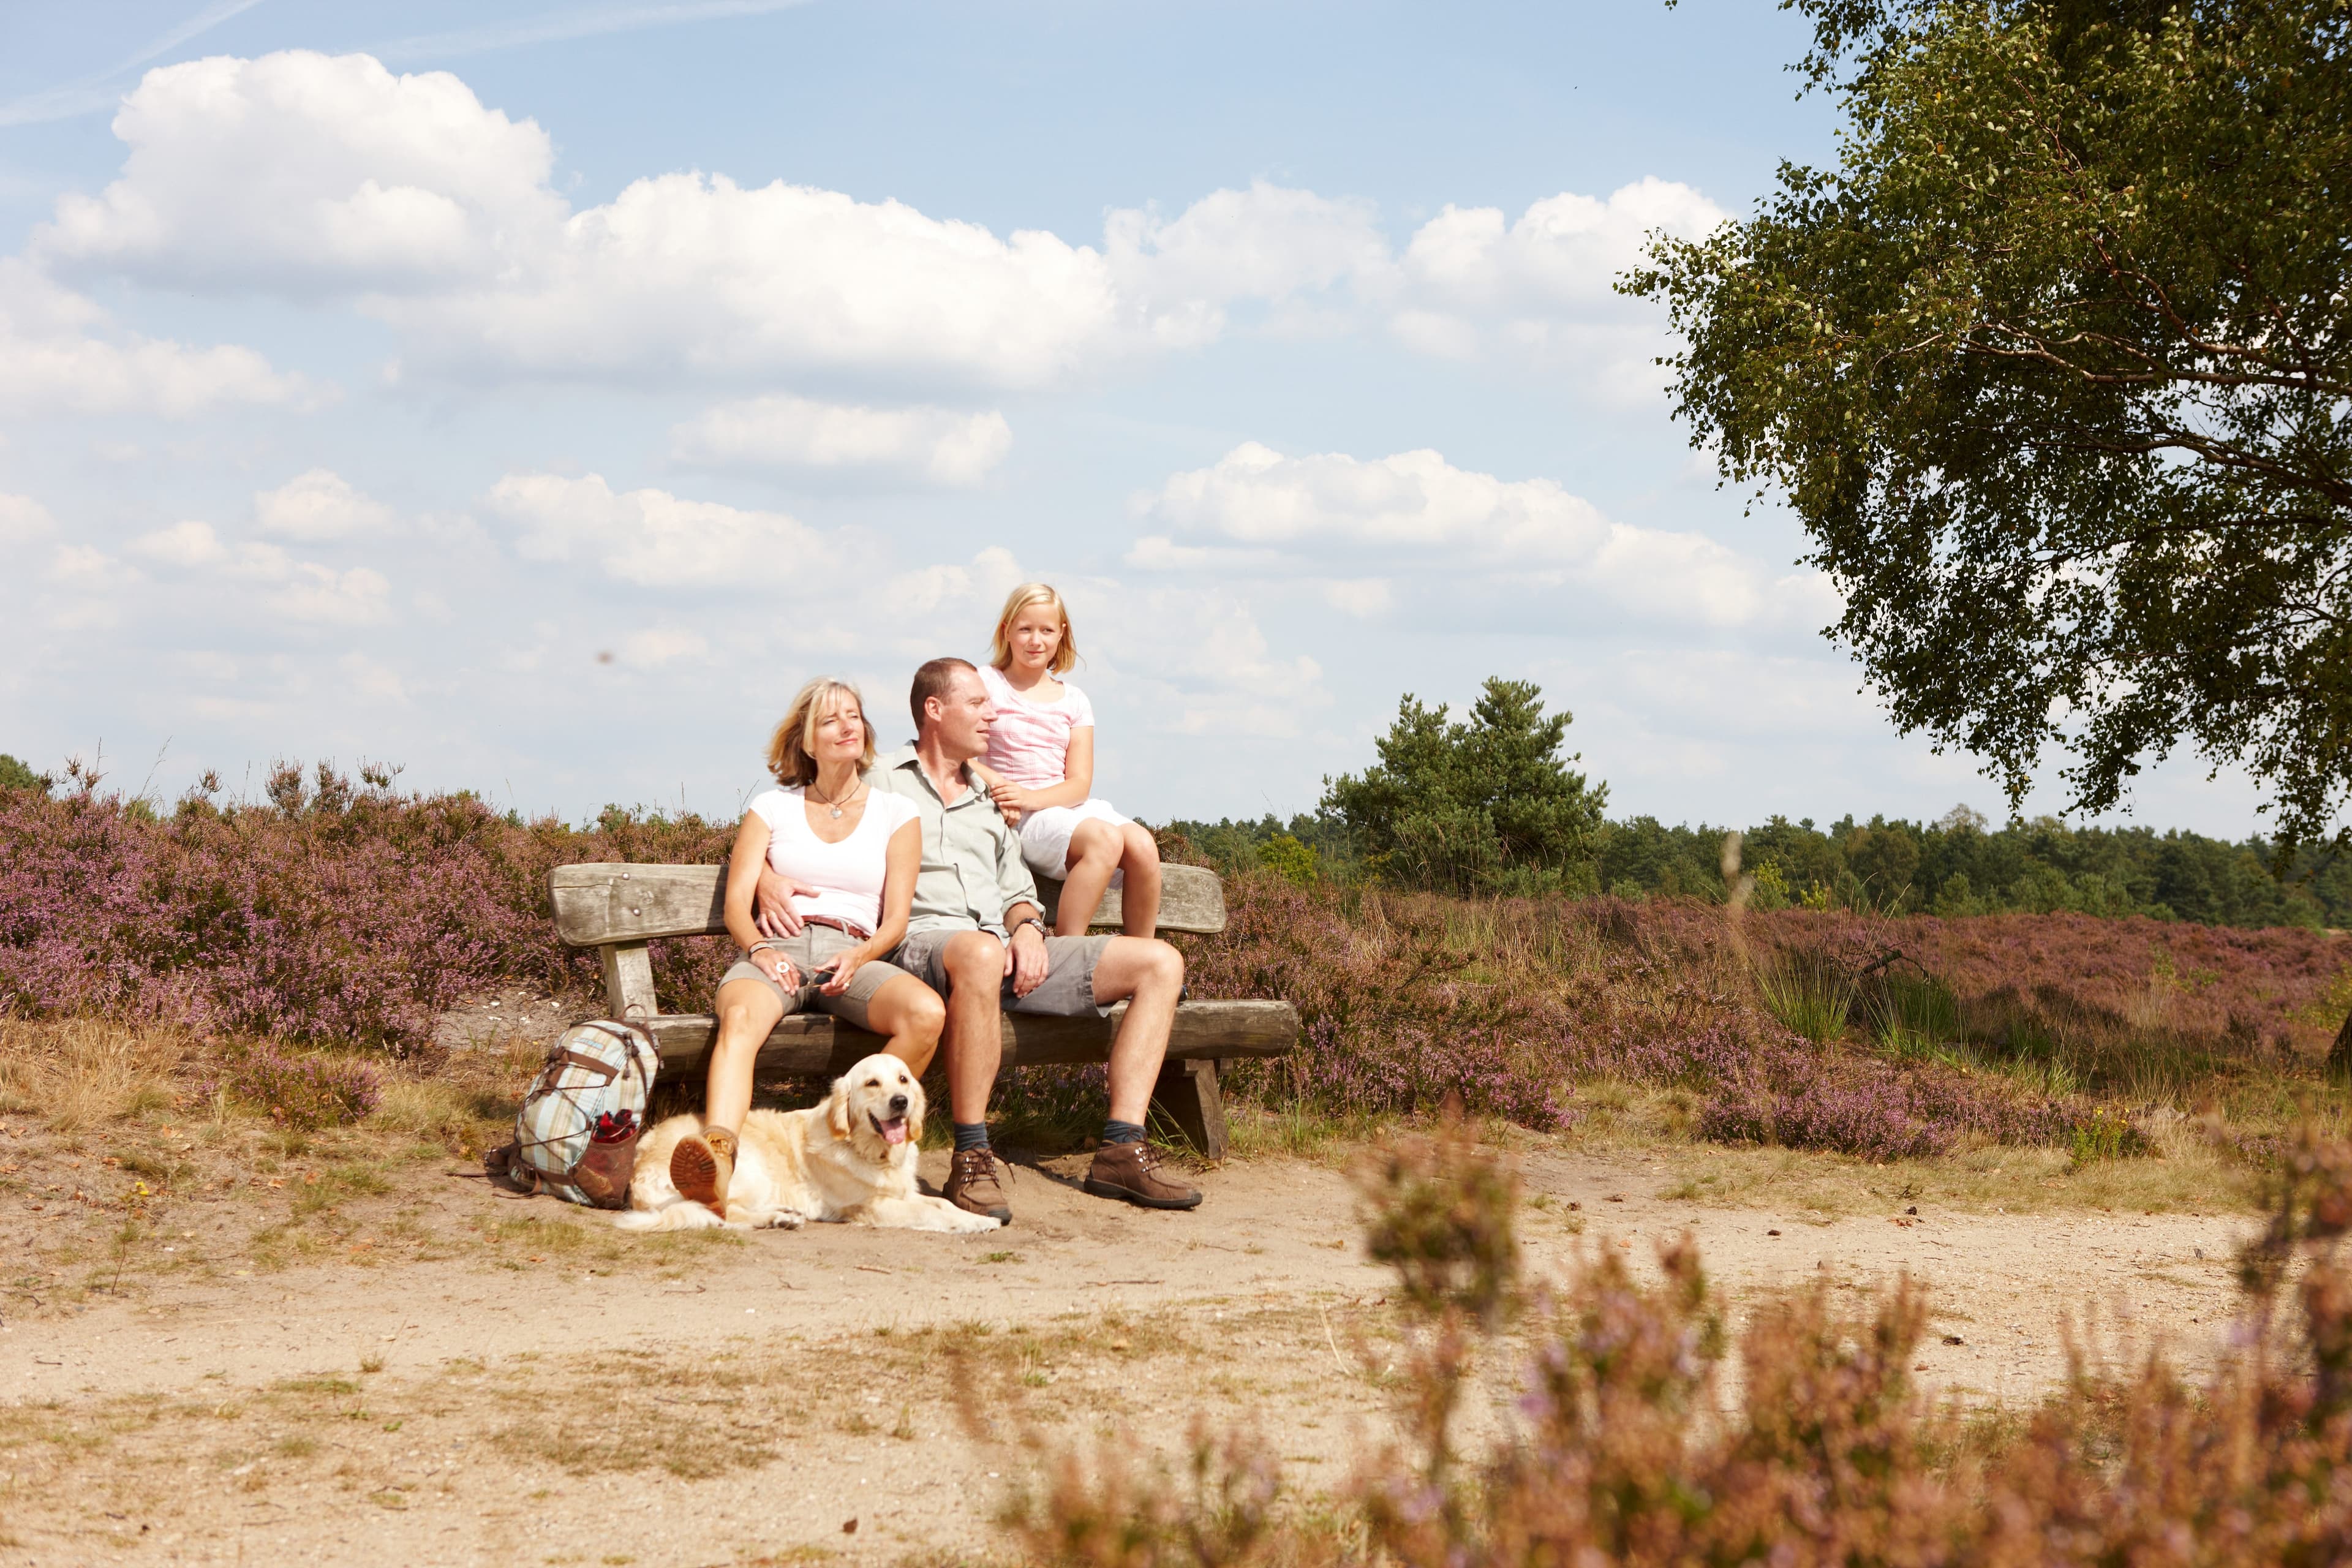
81 1073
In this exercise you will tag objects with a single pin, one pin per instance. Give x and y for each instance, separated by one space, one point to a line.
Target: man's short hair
932 680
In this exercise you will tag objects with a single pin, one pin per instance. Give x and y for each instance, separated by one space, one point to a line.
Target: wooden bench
617 908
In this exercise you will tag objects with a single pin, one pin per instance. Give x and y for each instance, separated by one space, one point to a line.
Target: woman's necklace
836 805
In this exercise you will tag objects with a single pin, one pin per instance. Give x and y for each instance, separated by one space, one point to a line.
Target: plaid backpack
576 1135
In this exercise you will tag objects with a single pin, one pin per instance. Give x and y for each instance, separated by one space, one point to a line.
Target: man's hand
772 910
1024 960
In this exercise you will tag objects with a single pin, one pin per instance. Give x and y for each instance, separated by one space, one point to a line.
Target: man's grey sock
1117 1131
971 1135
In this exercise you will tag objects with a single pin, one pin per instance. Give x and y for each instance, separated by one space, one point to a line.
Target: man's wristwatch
1032 921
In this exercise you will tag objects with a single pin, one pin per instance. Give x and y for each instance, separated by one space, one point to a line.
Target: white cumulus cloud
59 353
1258 510
24 519
306 172
1564 248
317 176
316 505
650 537
936 445
183 544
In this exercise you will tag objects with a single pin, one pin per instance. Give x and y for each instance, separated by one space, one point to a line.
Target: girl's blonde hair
1000 648
788 748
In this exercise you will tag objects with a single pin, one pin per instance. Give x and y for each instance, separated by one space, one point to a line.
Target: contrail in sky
98 90
556 26
84 94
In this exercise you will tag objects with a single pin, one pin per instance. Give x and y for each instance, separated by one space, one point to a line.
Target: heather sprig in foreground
1616 1437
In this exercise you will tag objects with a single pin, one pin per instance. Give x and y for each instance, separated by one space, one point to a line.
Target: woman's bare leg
912 1015
748 1011
1139 894
1095 850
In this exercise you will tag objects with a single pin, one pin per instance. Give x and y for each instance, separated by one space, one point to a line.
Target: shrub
1290 860
306 1092
335 913
2105 1133
1411 998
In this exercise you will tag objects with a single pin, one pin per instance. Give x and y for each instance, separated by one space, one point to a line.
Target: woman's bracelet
764 946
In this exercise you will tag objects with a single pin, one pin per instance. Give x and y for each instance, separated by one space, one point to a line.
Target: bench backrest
609 901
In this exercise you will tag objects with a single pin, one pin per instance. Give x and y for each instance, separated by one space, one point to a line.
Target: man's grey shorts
1066 992
809 951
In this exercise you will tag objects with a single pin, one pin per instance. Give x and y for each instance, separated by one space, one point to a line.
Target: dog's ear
837 1108
917 1103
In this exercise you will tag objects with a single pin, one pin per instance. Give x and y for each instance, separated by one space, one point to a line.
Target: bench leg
1187 1095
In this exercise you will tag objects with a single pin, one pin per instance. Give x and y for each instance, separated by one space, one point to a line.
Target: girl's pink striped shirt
1030 741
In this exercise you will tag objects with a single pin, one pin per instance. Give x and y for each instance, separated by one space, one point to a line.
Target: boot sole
1105 1190
695 1173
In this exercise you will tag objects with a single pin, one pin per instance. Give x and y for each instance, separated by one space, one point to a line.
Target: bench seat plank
815 1043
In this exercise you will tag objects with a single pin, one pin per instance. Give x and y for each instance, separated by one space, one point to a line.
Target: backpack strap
563 1058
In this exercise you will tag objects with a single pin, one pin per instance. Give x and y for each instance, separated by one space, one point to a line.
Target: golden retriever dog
850 1158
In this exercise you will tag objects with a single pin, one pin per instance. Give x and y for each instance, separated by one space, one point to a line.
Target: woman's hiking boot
973 1185
1132 1171
702 1165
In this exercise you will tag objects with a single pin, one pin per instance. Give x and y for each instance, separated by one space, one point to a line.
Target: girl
851 855
1040 769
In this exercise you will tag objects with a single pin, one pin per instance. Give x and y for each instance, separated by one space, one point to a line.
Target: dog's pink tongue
894 1132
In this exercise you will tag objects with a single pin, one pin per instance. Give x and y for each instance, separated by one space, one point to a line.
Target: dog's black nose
897 1105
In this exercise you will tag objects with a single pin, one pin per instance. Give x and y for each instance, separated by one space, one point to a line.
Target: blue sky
535 396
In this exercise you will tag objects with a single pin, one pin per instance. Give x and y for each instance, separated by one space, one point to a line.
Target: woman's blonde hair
788 748
1000 648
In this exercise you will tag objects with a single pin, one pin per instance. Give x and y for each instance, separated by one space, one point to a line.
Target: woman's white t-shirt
847 874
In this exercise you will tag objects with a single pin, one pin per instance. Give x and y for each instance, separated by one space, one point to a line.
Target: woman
851 854
1040 769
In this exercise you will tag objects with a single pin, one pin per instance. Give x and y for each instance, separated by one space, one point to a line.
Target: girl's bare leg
1094 851
912 1015
1139 894
747 1010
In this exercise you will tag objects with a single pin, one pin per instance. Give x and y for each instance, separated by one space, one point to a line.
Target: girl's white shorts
1045 837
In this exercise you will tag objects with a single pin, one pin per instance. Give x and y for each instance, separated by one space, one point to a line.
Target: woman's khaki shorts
809 951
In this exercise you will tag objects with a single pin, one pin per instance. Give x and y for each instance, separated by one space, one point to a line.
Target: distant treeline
1961 865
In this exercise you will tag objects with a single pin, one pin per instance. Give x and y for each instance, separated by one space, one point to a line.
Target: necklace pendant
836 812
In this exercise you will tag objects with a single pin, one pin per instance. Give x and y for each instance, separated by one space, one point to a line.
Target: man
977 936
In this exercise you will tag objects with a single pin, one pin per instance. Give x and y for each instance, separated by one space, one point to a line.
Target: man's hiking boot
973 1185
1132 1171
702 1166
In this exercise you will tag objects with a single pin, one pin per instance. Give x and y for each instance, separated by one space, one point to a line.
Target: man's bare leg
975 1032
974 962
1148 975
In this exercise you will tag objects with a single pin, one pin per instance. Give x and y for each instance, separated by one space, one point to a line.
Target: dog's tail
678 1215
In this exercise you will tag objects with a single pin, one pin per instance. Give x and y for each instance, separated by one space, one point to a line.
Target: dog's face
878 1106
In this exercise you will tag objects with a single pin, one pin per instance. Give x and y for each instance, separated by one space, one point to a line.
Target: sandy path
1254 1296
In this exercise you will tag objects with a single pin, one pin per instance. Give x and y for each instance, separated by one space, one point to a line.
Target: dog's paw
786 1219
975 1224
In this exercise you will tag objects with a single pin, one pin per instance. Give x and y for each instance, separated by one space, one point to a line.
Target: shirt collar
906 758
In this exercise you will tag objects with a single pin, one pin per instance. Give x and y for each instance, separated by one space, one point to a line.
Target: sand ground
553 1392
